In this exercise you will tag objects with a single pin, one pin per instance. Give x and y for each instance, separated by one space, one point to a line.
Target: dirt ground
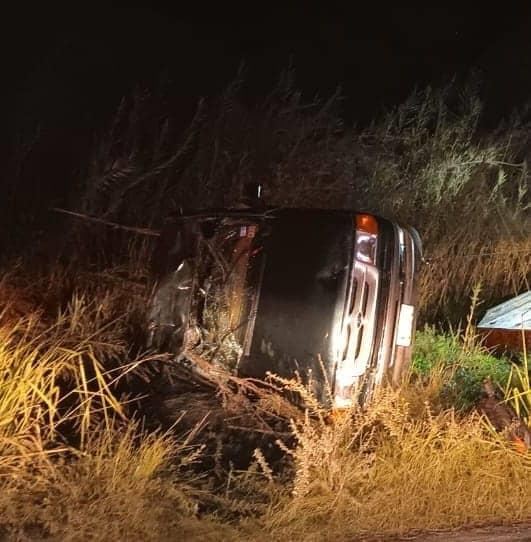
505 533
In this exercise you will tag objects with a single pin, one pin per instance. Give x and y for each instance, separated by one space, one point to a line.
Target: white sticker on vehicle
405 325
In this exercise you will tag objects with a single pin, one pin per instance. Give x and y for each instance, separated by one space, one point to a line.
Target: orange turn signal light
367 223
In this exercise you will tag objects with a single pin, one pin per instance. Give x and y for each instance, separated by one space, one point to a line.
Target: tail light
366 238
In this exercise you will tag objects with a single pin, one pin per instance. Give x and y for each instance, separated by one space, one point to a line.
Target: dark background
67 66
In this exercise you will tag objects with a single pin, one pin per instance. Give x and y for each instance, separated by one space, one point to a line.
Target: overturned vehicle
328 295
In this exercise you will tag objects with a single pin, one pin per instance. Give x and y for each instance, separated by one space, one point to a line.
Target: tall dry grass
426 162
47 383
385 471
75 465
118 486
74 462
429 164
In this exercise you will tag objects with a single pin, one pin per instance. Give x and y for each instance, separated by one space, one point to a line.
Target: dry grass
75 467
45 385
427 163
384 471
74 463
118 487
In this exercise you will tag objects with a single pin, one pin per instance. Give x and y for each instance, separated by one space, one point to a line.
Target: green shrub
464 369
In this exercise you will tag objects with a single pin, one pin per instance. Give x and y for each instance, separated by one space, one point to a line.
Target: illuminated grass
74 466
397 466
383 471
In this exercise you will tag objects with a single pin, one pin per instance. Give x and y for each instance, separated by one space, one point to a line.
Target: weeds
425 163
462 371
518 387
456 364
385 470
120 486
75 467
78 463
73 464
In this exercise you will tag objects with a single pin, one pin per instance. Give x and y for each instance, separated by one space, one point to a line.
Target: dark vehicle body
329 295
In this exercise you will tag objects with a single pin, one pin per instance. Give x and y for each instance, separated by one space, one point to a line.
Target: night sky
68 67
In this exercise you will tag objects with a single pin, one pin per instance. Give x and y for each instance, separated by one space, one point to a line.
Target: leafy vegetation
465 370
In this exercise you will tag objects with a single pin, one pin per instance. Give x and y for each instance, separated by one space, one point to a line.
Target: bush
385 471
466 368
